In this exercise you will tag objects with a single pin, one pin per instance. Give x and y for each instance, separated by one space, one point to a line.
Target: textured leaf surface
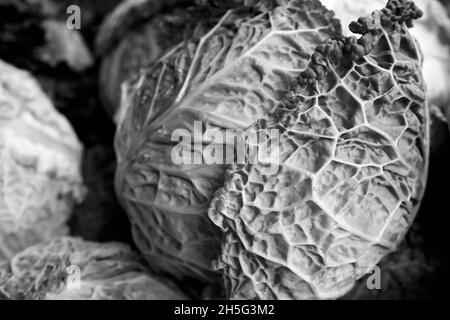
351 174
227 77
145 43
39 164
70 268
432 32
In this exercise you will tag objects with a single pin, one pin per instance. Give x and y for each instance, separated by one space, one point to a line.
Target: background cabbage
40 157
70 268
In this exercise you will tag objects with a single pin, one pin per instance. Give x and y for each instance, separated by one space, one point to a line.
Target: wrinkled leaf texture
351 172
146 42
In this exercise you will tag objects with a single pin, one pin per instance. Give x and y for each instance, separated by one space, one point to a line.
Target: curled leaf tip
351 48
395 13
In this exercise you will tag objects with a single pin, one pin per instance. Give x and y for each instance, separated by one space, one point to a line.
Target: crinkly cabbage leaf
147 41
70 268
432 32
347 179
225 77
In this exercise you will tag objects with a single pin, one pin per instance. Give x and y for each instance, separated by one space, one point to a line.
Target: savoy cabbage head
226 76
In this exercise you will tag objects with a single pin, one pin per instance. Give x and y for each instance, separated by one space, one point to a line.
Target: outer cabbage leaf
226 78
353 159
40 157
70 268
147 42
126 16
